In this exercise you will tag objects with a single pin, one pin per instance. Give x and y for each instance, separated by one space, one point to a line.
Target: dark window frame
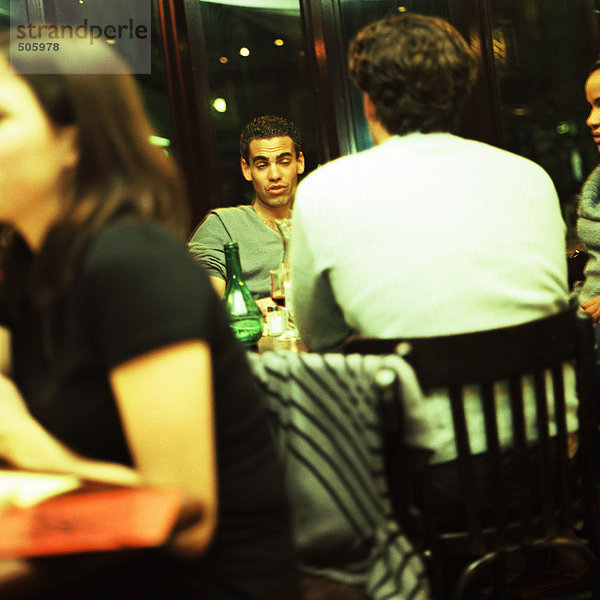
194 130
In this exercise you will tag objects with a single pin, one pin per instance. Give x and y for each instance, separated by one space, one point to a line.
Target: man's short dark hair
417 70
265 128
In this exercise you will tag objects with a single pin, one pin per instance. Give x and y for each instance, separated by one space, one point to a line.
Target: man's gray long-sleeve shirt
261 248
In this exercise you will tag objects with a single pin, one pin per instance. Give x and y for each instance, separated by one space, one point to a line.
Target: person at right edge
588 212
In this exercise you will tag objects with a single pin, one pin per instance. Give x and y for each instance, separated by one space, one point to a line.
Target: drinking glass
284 227
280 293
278 285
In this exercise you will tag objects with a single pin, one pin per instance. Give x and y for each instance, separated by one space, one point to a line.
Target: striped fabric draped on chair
326 425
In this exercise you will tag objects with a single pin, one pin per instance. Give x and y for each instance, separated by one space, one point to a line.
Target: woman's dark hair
119 170
417 71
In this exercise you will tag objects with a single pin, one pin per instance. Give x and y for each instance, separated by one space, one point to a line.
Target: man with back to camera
271 159
426 233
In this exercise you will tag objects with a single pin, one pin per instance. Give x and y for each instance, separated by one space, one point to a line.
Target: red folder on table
114 519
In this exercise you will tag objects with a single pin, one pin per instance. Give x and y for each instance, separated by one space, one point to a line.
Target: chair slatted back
532 354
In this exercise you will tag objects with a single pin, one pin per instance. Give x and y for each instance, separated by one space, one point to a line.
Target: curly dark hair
417 70
267 127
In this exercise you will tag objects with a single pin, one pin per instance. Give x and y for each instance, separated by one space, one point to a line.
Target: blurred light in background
156 140
220 105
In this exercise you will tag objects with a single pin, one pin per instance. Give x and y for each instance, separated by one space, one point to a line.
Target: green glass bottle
245 317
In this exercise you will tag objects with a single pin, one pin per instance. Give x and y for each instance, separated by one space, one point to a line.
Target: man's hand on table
592 307
263 304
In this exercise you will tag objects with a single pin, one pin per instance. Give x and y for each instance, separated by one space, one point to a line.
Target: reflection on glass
255 57
154 87
542 50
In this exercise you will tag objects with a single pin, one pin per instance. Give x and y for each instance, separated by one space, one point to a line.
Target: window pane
542 50
153 85
154 88
253 52
5 14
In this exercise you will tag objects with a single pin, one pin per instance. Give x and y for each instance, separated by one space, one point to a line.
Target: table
268 343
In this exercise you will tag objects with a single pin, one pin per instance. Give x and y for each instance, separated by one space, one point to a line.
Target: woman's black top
138 290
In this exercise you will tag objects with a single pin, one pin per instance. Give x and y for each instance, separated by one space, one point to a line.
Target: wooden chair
575 266
552 496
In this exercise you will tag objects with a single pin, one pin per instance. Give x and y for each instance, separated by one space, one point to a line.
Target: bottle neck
232 262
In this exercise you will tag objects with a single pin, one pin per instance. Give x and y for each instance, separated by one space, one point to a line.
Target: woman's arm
592 308
26 445
166 403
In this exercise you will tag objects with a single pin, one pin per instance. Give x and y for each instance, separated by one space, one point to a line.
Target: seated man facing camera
271 159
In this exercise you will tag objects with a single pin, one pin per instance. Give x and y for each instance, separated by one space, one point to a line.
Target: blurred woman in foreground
112 341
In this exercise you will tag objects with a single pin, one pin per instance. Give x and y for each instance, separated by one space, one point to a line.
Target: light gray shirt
428 235
425 235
